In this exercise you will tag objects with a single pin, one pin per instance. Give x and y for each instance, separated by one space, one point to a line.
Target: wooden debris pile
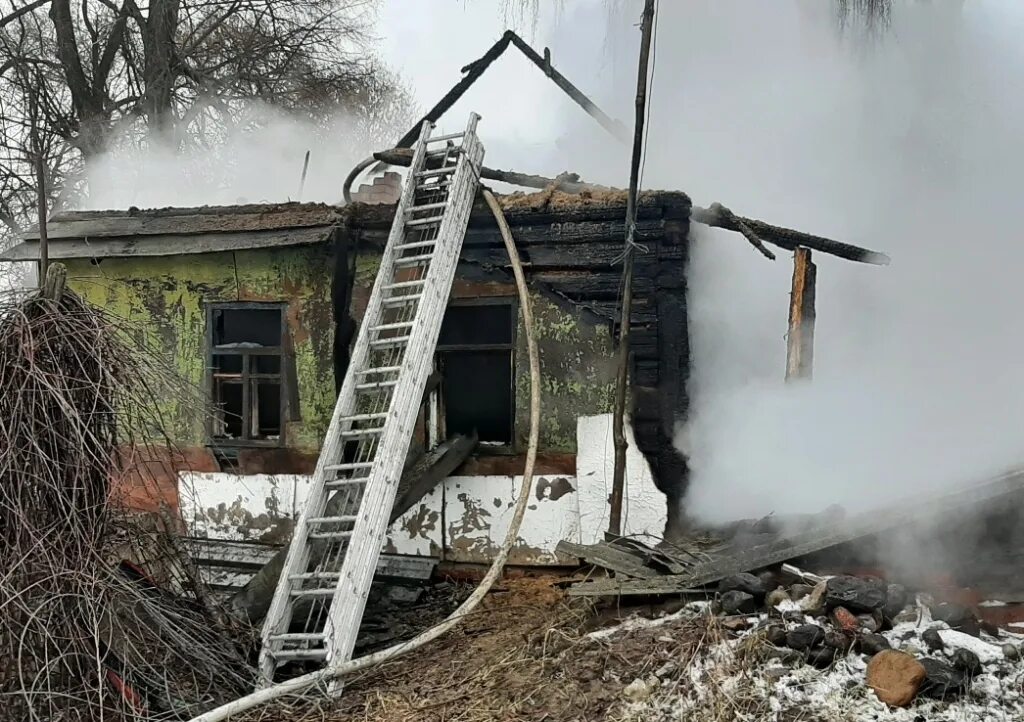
640 570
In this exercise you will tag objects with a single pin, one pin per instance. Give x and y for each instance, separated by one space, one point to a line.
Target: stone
776 597
775 634
957 617
942 680
844 619
799 591
769 579
822 657
854 593
933 640
805 636
814 603
896 598
737 602
871 622
895 677
967 661
746 583
783 655
1011 651
871 644
842 641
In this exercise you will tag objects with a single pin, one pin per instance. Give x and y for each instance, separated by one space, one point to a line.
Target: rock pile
913 649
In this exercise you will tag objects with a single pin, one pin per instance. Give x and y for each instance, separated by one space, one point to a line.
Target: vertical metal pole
800 341
618 432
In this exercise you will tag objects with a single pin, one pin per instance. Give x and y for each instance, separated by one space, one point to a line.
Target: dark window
247 354
476 357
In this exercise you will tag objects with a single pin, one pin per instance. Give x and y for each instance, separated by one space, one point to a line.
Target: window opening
476 356
247 354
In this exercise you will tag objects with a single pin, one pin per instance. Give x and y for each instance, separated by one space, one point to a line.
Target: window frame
512 303
246 376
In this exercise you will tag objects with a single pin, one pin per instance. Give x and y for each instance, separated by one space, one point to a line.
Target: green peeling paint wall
577 368
165 297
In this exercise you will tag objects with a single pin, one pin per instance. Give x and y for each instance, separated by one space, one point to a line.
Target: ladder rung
428 207
436 172
376 385
331 519
393 341
362 433
424 221
350 467
329 535
300 654
399 300
338 483
366 417
404 284
381 370
319 592
333 576
413 260
441 185
298 636
417 244
450 136
393 326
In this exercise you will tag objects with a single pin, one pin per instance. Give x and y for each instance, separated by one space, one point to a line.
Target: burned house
255 306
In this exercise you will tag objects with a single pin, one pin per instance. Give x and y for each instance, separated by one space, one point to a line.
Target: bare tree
116 71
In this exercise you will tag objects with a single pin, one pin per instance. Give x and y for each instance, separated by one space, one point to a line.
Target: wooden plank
814 540
188 221
170 245
608 557
634 587
651 205
436 466
655 557
800 341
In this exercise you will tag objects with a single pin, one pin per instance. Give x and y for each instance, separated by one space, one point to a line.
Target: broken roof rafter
716 215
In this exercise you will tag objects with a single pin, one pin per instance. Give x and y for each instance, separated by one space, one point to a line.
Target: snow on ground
746 679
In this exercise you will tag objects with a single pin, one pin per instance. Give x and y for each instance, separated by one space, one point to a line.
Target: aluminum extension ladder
319 601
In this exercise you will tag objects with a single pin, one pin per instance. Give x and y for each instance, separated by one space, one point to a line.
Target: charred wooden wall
571 246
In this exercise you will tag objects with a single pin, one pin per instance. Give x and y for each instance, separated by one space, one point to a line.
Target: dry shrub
83 635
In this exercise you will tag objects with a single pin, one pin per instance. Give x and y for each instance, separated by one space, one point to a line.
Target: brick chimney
385 189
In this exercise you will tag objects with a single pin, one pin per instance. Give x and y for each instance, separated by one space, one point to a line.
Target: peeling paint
164 297
578 362
554 489
465 519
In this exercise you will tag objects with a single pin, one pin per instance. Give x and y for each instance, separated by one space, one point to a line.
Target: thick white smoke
260 159
909 143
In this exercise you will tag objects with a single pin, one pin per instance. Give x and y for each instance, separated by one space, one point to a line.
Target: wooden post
800 342
622 379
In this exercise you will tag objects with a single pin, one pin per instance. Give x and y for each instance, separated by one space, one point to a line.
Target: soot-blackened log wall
571 245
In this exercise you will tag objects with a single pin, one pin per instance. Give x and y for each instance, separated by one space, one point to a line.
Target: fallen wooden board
765 555
607 557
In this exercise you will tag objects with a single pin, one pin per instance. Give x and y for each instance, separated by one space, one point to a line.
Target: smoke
905 141
257 158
